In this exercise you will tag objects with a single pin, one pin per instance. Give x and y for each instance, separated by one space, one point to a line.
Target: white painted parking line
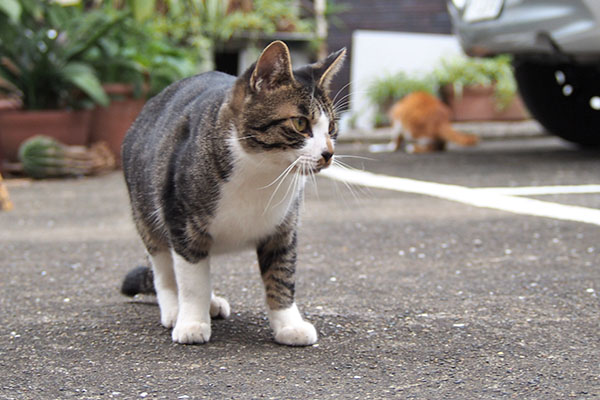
465 195
542 190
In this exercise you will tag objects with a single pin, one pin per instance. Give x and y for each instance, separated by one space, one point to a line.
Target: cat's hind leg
152 235
398 133
194 300
277 261
219 307
166 291
165 287
426 145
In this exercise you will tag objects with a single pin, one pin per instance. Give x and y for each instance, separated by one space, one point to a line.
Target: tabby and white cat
216 164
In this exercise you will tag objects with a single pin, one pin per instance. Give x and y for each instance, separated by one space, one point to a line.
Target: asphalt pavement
413 296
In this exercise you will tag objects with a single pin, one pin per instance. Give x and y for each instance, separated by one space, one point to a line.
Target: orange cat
424 121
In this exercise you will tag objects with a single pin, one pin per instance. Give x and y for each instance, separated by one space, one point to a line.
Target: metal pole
321 25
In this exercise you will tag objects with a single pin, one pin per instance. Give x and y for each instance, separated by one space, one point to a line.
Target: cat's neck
264 170
257 197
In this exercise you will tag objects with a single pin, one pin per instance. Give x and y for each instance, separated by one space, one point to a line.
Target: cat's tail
139 280
464 139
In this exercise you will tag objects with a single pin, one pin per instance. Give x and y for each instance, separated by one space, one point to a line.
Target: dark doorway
227 62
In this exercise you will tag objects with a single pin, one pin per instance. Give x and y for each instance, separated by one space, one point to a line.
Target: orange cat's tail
464 139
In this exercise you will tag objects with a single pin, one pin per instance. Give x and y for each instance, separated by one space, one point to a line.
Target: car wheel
564 98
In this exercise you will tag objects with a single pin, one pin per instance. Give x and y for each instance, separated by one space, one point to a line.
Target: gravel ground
413 297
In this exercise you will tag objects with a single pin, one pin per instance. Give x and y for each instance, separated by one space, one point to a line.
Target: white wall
377 53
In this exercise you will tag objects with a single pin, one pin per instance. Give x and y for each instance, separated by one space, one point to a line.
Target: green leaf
98 29
12 8
175 7
82 76
142 9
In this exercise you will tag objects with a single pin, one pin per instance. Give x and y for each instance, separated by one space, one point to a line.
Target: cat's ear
327 68
273 68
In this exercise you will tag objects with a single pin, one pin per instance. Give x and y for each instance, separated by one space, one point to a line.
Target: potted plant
42 49
480 89
219 27
383 92
133 61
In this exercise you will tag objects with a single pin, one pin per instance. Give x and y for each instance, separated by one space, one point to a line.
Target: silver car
556 49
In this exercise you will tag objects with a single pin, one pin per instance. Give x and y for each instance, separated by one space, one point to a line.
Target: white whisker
285 172
351 188
281 180
340 111
298 188
341 105
340 91
303 198
314 181
342 101
344 165
347 96
351 156
293 184
341 108
244 137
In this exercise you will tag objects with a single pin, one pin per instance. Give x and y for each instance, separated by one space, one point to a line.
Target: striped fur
215 164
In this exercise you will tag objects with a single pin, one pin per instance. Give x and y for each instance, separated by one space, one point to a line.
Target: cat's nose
326 156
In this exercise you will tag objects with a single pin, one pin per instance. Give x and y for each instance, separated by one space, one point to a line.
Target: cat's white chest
251 205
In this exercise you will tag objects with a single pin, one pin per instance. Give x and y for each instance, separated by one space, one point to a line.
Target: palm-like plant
138 53
42 48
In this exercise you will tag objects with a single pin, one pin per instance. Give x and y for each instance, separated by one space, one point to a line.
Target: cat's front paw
191 332
289 327
219 307
300 334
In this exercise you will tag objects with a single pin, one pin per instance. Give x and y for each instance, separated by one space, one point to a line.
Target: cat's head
287 114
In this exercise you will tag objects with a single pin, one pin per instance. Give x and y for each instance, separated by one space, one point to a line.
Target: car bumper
533 27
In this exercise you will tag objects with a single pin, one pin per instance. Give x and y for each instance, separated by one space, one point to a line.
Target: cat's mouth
312 168
310 165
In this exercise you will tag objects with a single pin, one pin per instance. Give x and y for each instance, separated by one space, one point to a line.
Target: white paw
191 332
219 307
168 316
301 334
167 301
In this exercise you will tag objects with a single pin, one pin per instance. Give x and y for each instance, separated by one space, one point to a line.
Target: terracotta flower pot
478 103
66 126
110 124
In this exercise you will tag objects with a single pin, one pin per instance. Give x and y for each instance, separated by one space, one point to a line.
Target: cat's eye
332 129
300 124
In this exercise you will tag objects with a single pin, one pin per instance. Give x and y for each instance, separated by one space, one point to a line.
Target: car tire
564 98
